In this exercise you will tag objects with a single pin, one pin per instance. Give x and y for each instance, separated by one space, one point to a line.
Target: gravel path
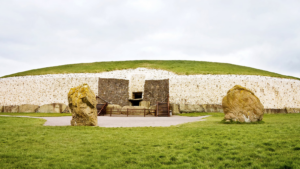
106 121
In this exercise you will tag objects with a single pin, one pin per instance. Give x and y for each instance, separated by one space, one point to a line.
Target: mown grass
177 66
25 143
38 114
196 114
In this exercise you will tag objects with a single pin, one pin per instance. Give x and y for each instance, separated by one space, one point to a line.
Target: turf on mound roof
177 66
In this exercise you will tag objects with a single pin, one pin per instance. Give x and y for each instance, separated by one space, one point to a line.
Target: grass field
38 114
25 143
176 66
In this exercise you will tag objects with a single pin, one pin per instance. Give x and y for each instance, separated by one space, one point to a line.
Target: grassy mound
25 143
176 66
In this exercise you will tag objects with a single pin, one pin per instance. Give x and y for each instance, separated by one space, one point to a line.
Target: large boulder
52 108
11 109
82 102
28 108
240 104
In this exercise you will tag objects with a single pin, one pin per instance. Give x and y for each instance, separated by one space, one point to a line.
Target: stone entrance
133 94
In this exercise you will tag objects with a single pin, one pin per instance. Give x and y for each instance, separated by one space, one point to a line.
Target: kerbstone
113 109
11 109
175 109
52 108
28 108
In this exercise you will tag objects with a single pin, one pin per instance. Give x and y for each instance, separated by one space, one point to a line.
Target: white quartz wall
136 84
274 93
193 89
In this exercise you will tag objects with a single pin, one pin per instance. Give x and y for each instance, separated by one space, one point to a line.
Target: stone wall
156 91
114 91
274 93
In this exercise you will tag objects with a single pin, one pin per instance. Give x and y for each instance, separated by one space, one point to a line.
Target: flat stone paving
120 121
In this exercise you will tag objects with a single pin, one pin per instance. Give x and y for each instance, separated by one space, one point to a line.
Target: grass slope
176 66
25 143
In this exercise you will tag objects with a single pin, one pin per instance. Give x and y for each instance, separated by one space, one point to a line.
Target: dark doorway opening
137 95
135 102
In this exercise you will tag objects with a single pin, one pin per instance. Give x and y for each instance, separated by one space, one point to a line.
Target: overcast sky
264 34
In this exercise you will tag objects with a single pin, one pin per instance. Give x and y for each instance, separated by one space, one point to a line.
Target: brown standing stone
240 104
82 102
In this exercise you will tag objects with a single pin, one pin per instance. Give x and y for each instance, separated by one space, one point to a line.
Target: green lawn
176 66
38 114
25 143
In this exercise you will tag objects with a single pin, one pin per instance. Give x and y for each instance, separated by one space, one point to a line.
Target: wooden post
144 113
157 109
168 107
127 112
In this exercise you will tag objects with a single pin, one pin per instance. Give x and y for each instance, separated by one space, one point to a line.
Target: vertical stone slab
114 91
82 102
156 91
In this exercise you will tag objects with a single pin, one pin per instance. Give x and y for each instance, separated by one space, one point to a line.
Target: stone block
116 109
145 104
212 108
28 108
292 110
1 109
175 109
52 108
187 108
11 109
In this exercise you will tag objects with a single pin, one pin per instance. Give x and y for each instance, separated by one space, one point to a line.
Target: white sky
263 34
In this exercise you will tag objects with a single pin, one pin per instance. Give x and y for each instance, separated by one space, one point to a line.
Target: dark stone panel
114 91
156 91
